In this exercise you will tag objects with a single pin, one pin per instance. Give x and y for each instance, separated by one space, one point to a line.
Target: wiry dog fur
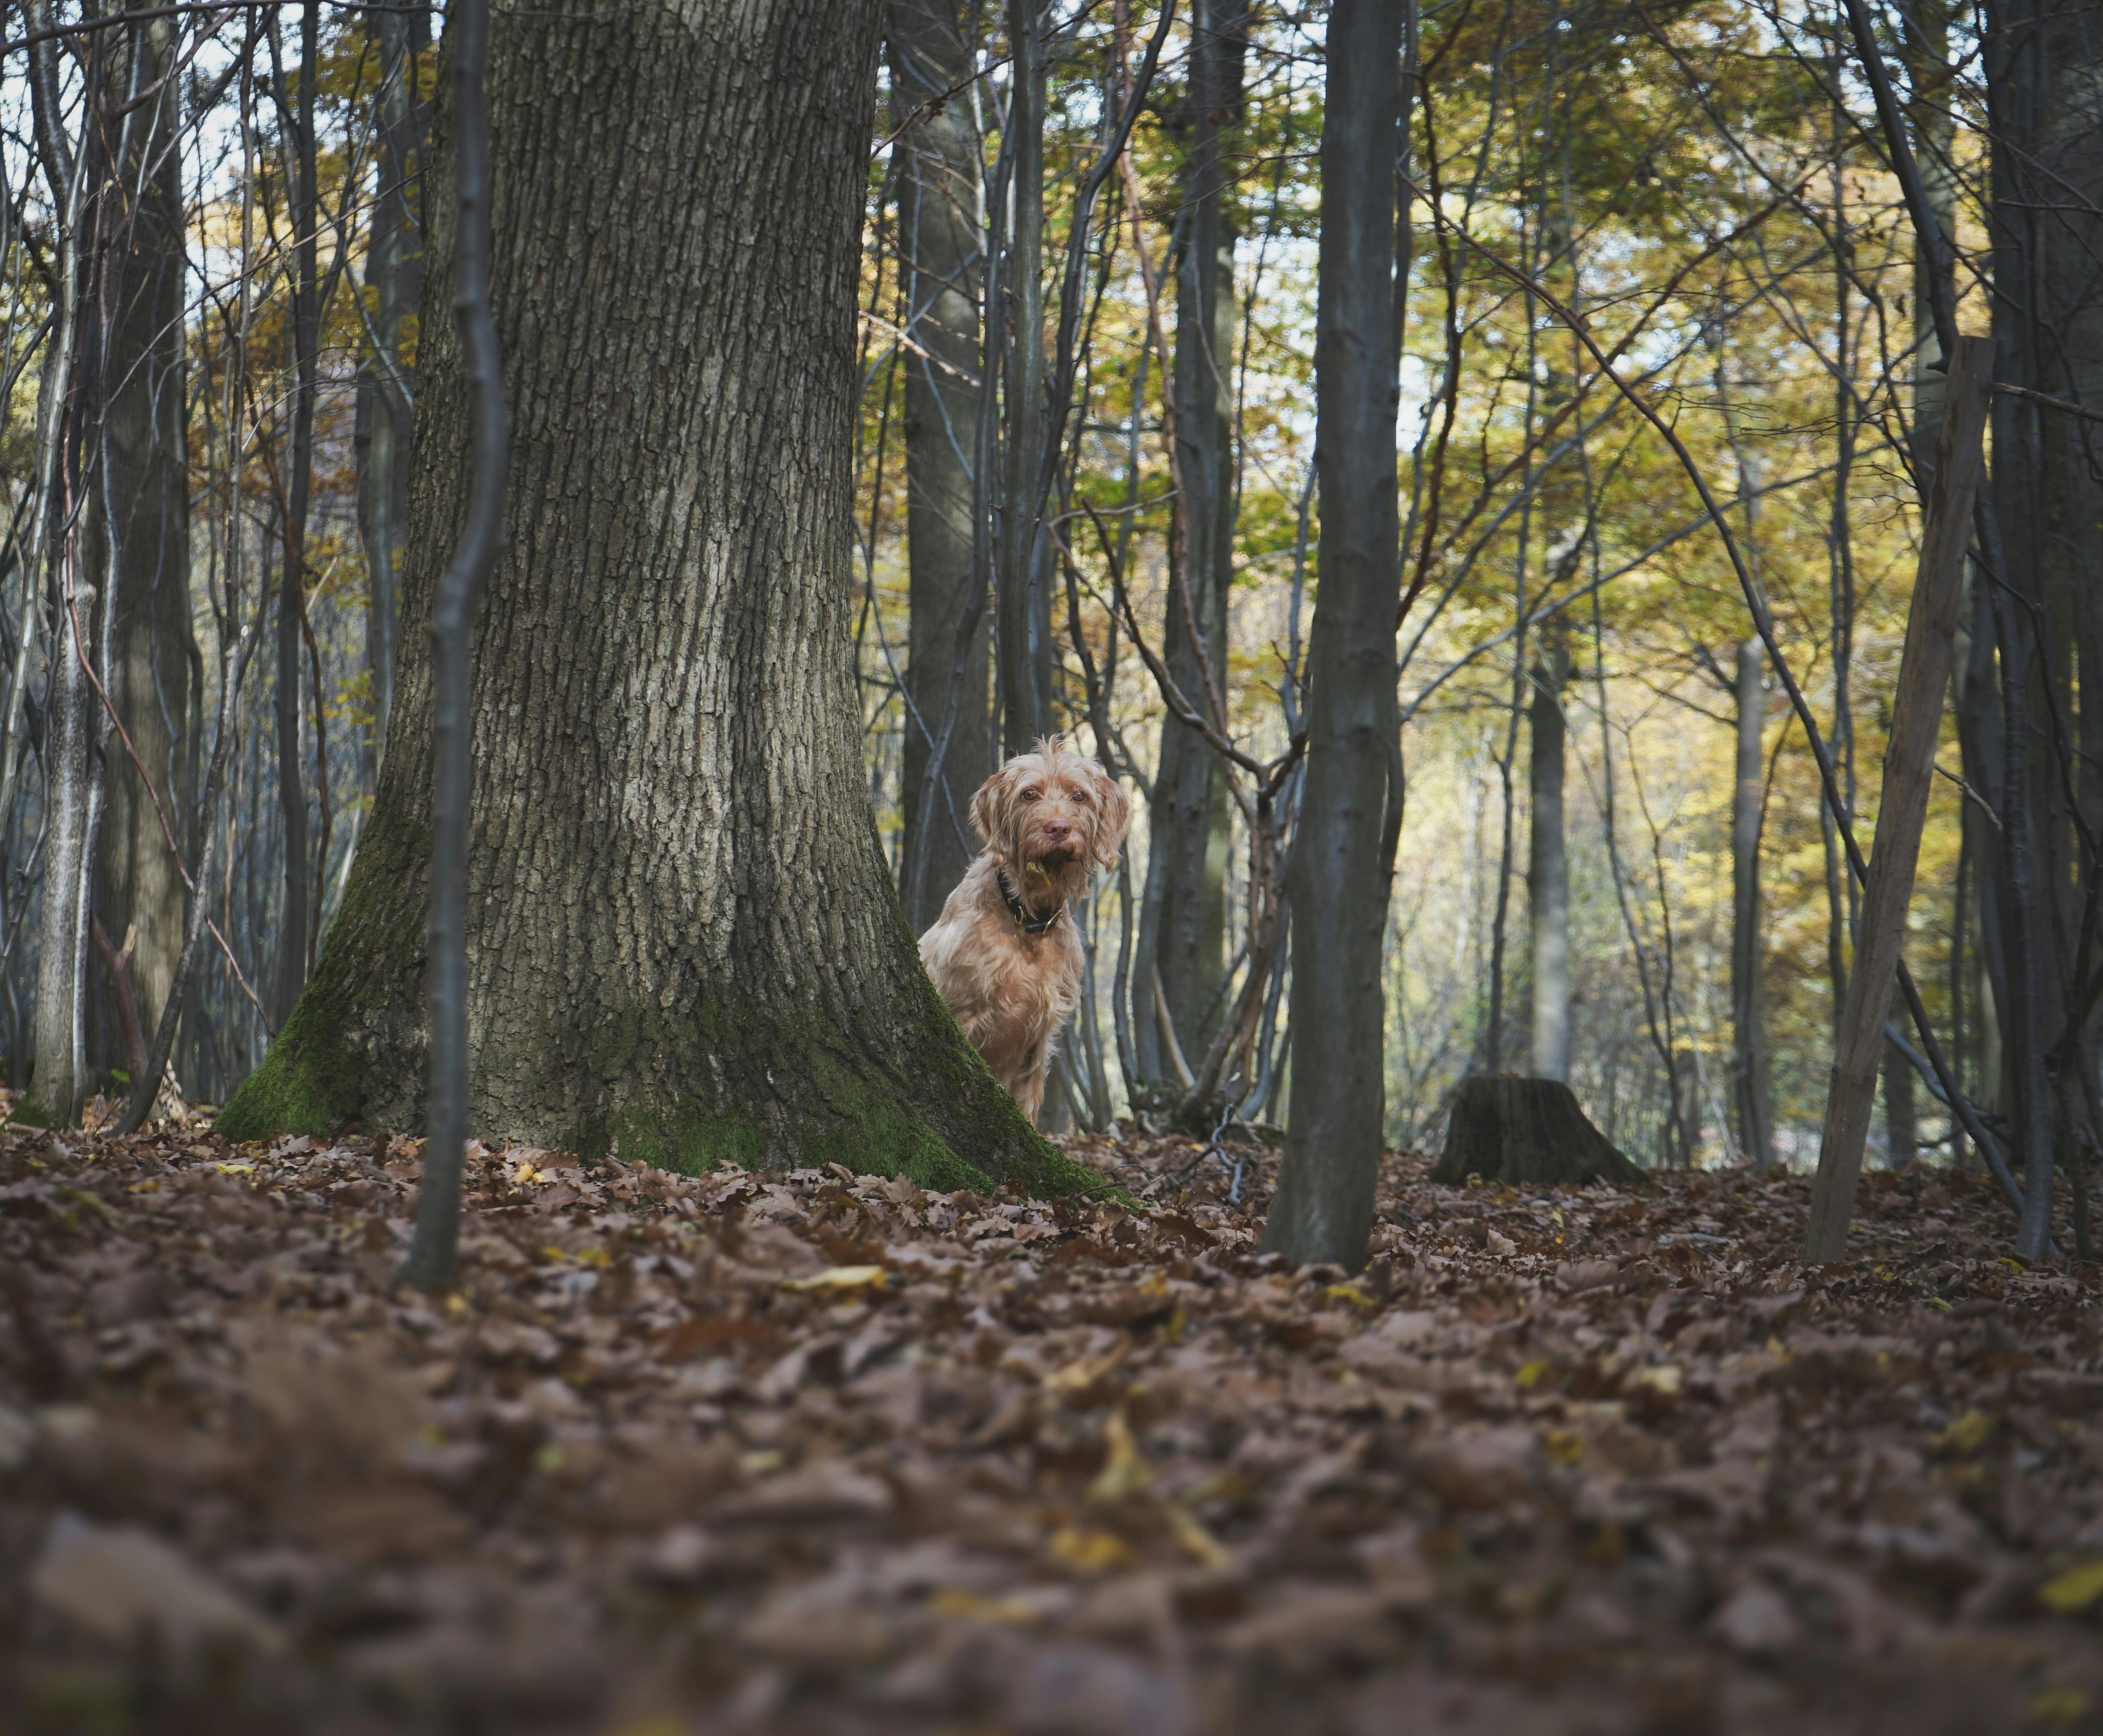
1048 819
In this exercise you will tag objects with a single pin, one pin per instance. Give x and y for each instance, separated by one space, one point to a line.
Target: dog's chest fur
1010 989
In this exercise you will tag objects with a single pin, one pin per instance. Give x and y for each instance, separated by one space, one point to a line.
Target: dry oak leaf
841 1279
2073 1590
120 1581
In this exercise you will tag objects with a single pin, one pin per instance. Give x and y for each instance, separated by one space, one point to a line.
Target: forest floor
820 1452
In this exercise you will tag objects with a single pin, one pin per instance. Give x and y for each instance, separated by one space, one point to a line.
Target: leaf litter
821 1452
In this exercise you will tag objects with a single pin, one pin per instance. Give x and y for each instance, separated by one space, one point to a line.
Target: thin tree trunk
57 1085
1902 808
72 801
1547 865
939 255
1493 1023
1901 1119
235 650
294 937
1979 735
395 271
682 939
430 1262
74 763
1189 838
1932 124
1562 544
1351 808
1748 1059
1024 611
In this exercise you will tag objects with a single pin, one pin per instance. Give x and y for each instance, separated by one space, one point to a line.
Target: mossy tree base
744 1078
682 942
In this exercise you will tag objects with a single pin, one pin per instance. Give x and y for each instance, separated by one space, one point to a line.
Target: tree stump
1529 1132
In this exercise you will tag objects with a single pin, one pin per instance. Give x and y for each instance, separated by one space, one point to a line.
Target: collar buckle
1029 923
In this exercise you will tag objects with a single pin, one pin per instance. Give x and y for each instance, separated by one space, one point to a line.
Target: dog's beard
1050 872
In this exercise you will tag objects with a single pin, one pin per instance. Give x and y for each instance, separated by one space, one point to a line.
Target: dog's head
1049 818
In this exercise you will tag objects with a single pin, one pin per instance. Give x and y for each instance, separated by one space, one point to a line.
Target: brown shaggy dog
1003 952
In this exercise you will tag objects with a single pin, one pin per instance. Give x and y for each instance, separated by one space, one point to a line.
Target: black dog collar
1029 923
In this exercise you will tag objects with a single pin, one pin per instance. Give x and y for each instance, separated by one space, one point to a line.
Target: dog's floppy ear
1116 815
986 805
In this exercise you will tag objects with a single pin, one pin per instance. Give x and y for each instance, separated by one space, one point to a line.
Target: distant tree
1548 864
113 399
297 932
939 250
1750 1091
146 534
394 278
1184 908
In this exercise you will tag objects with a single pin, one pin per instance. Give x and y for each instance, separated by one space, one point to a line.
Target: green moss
946 1123
888 1142
752 1080
31 1113
309 1082
690 1144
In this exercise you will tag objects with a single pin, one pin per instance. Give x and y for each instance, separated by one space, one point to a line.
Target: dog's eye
1033 795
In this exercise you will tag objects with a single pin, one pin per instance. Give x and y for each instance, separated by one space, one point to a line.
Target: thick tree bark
1749 1089
1548 867
681 938
2041 65
1188 837
139 887
1351 807
940 255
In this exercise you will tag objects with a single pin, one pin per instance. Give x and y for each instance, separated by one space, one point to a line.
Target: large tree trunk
681 938
1351 808
1749 1089
940 256
1188 838
139 887
1547 865
2053 102
2043 83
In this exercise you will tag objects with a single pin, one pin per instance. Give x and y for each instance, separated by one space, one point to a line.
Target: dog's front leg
1030 1088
